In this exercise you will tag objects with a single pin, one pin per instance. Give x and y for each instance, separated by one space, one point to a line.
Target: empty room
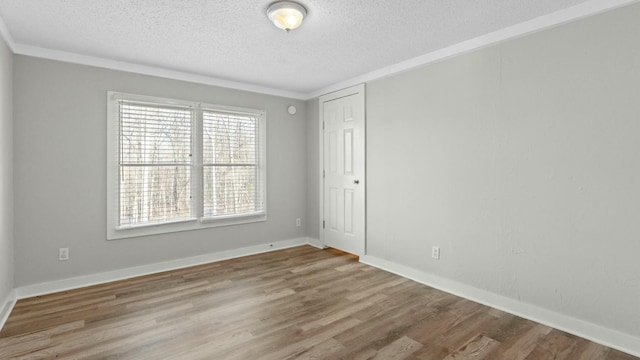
233 180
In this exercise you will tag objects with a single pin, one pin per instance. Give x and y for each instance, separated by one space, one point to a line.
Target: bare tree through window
155 163
174 162
230 164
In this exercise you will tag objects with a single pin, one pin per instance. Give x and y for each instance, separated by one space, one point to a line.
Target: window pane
154 135
231 190
155 158
153 194
231 168
229 138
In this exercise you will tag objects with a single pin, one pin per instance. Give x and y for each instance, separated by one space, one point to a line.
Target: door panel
344 169
348 152
348 211
333 209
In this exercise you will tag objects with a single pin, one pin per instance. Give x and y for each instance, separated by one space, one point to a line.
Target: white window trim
197 222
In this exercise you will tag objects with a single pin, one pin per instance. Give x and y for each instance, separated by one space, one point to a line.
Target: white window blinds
155 164
172 162
232 164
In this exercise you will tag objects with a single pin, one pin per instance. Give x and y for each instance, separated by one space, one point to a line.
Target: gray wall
60 172
6 172
522 162
313 172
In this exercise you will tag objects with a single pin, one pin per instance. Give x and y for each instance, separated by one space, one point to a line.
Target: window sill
167 223
182 225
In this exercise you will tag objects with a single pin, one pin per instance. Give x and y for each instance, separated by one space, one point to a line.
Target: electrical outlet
63 254
435 252
298 222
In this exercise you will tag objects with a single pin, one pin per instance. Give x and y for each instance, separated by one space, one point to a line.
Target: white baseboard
7 307
316 243
593 332
115 275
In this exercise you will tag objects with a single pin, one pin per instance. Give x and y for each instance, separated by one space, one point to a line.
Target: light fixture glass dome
286 15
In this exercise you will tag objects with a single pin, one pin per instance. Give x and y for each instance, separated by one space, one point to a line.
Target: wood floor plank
449 342
477 348
324 350
556 345
522 345
345 312
299 303
618 355
304 342
398 350
590 351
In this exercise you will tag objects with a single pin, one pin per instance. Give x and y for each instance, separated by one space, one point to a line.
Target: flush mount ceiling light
286 15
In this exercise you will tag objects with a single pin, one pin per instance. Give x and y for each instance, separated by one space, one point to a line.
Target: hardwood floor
299 303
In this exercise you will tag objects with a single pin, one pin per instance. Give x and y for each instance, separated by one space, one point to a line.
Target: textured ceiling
233 39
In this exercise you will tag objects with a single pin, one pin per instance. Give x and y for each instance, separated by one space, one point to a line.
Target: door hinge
323 224
323 125
323 174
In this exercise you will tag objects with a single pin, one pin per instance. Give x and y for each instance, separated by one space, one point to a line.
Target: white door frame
324 98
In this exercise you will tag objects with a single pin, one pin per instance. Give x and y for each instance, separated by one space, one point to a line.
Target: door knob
356 182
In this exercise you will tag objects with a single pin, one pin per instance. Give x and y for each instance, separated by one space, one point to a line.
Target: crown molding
75 58
586 9
589 8
6 35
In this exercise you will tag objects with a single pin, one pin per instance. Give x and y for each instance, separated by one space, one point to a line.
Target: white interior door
343 186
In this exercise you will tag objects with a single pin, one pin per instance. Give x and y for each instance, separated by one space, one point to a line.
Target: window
177 165
155 164
230 164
